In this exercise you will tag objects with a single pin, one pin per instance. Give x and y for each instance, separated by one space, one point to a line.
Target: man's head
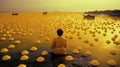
59 32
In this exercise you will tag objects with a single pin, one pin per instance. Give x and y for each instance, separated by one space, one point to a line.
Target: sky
58 5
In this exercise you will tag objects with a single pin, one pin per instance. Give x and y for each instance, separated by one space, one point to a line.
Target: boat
89 17
14 13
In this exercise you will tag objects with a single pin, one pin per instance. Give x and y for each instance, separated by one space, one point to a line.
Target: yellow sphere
4 50
24 57
79 48
38 42
61 65
94 62
44 53
88 53
17 42
41 35
11 46
6 57
4 35
11 38
76 51
69 58
113 52
24 52
40 59
9 35
29 34
111 62
47 39
22 65
33 48
3 38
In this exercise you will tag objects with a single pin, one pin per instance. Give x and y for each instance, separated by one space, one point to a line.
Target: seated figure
59 44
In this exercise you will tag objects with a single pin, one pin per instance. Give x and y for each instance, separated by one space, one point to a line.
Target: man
59 44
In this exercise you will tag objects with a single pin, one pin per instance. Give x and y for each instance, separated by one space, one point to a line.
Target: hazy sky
58 5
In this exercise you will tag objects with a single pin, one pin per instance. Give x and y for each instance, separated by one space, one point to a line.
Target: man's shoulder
64 38
60 38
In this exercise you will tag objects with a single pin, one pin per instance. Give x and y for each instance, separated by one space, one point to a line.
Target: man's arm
53 44
65 44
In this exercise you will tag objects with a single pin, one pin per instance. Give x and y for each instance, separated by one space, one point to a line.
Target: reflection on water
90 35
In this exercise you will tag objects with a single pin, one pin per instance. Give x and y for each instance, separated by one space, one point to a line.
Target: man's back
59 43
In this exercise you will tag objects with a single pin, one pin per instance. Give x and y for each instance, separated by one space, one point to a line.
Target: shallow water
74 26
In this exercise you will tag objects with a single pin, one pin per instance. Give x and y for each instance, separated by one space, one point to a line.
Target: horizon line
60 11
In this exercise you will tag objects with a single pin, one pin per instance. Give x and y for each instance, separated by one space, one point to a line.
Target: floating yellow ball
24 52
17 42
11 39
4 50
61 65
38 42
3 38
33 48
88 53
22 65
113 52
44 53
94 62
9 35
76 51
47 39
29 34
111 62
6 57
79 48
11 46
108 41
4 35
117 42
70 37
69 58
24 57
41 35
91 44
40 59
